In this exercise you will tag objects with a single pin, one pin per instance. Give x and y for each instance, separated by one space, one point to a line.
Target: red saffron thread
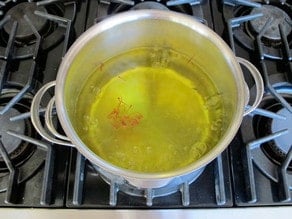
121 116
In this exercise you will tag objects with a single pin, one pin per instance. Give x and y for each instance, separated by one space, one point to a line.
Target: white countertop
224 213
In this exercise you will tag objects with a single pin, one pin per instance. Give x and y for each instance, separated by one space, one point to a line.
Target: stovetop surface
34 36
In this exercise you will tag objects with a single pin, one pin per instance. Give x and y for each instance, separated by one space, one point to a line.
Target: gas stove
256 168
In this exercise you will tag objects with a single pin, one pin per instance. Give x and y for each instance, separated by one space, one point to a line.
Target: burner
24 156
17 13
248 22
149 5
19 151
283 142
277 149
49 22
277 15
10 143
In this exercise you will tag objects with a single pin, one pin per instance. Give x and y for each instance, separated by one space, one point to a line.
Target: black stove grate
261 169
246 19
88 189
61 177
33 38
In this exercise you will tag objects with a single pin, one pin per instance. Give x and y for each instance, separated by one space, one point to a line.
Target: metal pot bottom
119 184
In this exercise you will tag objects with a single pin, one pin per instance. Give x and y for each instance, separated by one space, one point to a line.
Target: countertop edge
226 213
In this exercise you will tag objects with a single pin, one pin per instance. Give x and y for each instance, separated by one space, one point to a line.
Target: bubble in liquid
86 118
121 156
213 101
148 149
216 125
175 152
198 149
91 87
93 123
85 128
94 90
135 149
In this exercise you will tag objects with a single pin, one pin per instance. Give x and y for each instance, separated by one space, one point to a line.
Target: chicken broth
149 117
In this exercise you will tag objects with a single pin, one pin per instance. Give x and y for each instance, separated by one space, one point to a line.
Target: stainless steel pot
147 28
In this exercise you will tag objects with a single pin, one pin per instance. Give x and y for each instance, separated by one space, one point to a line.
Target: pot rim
129 16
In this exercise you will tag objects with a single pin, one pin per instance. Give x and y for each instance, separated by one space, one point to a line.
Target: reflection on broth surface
149 117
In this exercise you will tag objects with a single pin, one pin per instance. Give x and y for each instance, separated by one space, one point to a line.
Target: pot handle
48 132
258 83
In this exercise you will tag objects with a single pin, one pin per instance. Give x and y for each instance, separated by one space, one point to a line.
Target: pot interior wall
162 35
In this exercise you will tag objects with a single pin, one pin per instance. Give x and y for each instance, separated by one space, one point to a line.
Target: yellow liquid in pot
150 119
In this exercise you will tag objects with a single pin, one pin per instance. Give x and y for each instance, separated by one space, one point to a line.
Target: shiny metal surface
103 41
35 110
259 84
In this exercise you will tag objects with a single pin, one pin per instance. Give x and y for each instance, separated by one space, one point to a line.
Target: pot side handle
258 83
48 132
